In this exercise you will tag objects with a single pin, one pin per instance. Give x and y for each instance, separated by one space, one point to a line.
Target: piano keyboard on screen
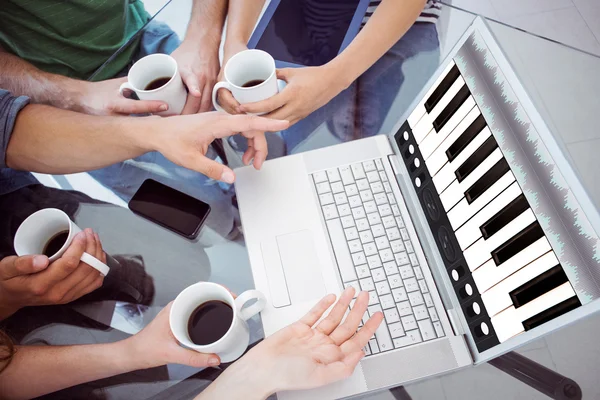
504 270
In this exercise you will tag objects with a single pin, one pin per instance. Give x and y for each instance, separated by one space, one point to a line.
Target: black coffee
209 322
253 82
55 243
158 82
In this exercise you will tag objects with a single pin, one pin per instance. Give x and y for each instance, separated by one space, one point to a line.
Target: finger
249 153
285 74
206 104
128 106
266 106
365 333
317 311
100 254
337 313
228 102
67 263
195 359
261 148
192 104
14 266
192 83
346 330
211 168
91 283
232 124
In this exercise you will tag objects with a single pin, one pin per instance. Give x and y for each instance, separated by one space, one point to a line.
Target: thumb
285 73
212 169
129 106
195 359
13 266
191 81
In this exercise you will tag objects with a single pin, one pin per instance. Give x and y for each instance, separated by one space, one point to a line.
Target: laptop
307 32
466 224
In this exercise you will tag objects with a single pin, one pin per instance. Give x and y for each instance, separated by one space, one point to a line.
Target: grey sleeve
9 108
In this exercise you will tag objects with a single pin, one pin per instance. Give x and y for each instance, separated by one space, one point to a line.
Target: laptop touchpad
301 268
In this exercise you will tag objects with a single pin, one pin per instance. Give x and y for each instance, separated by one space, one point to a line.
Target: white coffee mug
153 67
35 232
236 340
244 67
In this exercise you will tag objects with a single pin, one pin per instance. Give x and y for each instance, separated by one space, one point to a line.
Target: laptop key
414 336
369 166
415 298
393 233
400 295
323 187
378 276
380 198
357 171
359 258
354 246
388 222
402 341
409 322
386 255
438 329
366 236
383 338
330 211
359 212
351 233
326 198
370 207
363 271
373 176
411 285
351 190
362 224
402 258
433 314
420 312
333 175
355 285
397 245
367 350
382 242
427 330
367 284
355 201
337 187
387 301
395 281
428 300
379 165
396 330
374 261
392 316
382 287
347 221
373 299
390 268
340 198
344 210
320 176
346 175
370 249
374 346
377 188
363 184
404 308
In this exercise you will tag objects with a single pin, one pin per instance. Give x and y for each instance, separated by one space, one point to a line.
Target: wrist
126 356
247 378
338 78
144 133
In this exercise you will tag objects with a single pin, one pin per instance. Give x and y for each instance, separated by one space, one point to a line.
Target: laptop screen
307 32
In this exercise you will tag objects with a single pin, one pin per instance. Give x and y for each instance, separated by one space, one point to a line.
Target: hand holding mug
33 280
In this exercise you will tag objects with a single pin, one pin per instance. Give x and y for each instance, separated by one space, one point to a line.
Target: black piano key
447 113
539 285
487 180
504 216
476 158
439 92
518 242
467 137
551 313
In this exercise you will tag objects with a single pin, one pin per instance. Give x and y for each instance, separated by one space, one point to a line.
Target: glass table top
563 82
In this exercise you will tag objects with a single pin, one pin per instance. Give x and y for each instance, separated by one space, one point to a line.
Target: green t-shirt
71 37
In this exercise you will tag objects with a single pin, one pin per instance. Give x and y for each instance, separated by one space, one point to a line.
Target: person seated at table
354 92
45 139
50 49
309 353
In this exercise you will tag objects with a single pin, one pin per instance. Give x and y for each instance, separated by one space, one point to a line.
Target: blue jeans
125 178
361 109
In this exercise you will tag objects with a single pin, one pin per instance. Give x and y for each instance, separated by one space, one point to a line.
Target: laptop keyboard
375 253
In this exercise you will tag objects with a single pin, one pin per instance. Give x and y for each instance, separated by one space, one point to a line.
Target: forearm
37 370
391 20
238 382
206 24
55 141
241 19
21 78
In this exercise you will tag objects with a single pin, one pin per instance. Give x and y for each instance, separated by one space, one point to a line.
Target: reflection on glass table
159 264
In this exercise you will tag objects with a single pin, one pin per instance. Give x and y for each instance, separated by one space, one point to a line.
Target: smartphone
169 208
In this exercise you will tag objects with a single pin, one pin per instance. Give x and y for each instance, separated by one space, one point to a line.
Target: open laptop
307 32
467 225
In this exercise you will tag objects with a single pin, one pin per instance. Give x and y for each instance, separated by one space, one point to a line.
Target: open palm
310 353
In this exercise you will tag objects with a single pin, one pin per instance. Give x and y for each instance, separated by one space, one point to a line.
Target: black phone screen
307 32
169 208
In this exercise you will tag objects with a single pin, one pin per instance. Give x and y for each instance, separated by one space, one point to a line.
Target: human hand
32 280
307 89
309 353
103 98
224 96
198 65
155 345
185 139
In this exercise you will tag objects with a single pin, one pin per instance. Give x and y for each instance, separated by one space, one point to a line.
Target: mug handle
125 86
218 85
249 312
95 263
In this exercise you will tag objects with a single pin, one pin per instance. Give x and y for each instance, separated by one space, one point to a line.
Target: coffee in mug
50 232
156 77
209 322
250 76
206 318
55 243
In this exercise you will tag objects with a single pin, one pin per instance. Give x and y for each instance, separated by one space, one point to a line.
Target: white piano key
438 158
509 322
489 274
498 298
425 124
419 110
431 142
481 250
470 232
445 176
456 190
463 211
